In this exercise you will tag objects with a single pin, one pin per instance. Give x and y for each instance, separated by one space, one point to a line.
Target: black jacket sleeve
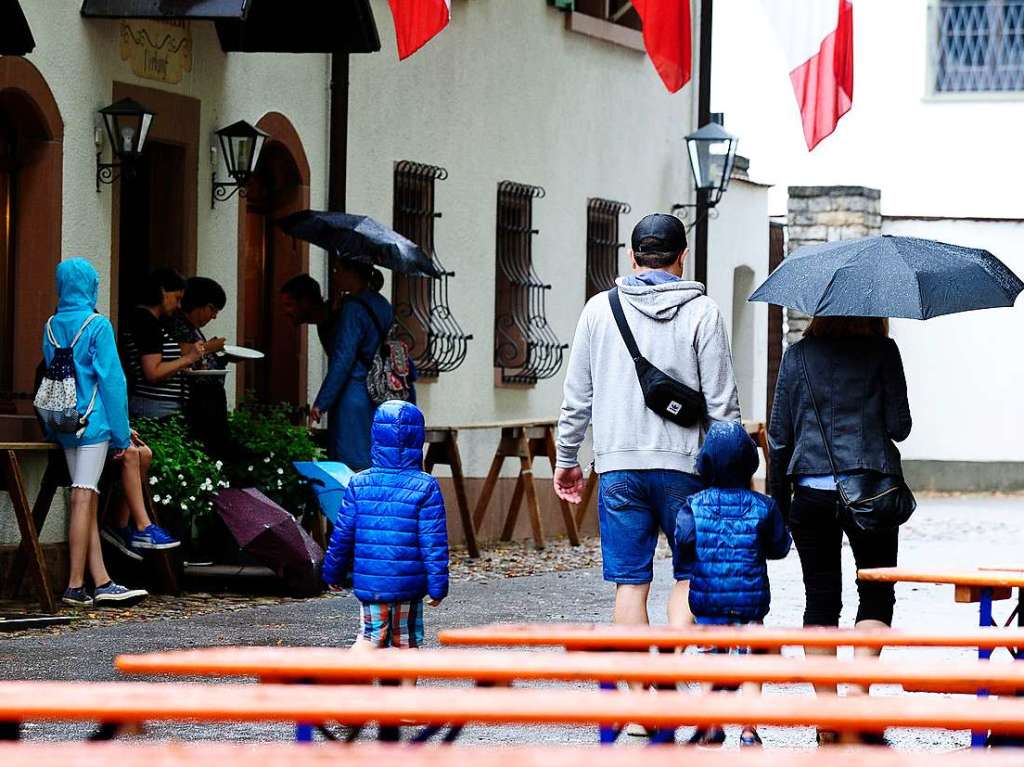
781 438
897 407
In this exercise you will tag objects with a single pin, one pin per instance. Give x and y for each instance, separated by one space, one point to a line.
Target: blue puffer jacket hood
391 530
97 364
728 457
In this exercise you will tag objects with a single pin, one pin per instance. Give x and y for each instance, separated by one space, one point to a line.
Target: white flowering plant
269 442
183 479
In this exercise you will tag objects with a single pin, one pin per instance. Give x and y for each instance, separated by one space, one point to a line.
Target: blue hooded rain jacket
391 526
728 531
95 354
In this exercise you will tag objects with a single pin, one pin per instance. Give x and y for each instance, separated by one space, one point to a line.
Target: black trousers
818 535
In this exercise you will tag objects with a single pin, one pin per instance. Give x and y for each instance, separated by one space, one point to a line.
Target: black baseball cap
659 233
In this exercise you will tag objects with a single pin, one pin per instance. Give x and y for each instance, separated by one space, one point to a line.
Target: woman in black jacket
858 383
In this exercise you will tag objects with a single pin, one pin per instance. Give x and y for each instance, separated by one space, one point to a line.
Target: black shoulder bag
868 500
672 400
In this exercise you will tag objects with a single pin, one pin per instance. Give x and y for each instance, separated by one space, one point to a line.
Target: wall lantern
712 153
127 124
241 144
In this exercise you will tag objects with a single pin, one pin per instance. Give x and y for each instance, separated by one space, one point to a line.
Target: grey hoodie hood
660 302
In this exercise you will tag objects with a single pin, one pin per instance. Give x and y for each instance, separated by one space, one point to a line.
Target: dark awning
165 9
303 26
295 26
15 36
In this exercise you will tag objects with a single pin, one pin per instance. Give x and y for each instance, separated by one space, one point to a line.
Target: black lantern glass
241 145
127 123
712 152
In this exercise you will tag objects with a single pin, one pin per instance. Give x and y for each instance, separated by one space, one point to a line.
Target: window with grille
977 46
422 313
619 12
603 244
526 349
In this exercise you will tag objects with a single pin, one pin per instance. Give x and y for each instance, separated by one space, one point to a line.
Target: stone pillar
818 214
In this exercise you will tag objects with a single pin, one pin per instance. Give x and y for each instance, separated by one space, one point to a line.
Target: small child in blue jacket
727 532
391 531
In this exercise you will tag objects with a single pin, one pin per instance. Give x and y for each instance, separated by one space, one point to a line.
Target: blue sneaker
154 537
77 597
115 593
122 539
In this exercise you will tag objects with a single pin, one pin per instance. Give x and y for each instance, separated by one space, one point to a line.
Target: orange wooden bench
367 755
137 702
291 664
605 636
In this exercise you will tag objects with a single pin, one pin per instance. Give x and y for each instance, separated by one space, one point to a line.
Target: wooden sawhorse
443 450
526 441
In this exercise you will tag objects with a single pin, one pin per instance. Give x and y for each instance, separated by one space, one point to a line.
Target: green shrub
268 442
182 478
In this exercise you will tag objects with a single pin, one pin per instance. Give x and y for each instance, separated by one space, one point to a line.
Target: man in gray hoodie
646 463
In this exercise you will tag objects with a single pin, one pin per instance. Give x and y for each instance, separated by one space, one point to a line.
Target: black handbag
672 400
869 500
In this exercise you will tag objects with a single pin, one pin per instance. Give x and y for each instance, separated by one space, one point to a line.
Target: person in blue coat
97 370
391 533
343 395
726 533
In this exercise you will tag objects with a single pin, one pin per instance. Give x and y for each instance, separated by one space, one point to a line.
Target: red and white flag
817 39
667 38
416 21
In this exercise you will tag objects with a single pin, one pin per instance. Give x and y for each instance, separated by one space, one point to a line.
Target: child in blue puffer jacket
391 531
727 532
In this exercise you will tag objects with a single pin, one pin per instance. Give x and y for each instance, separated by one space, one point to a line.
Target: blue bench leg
980 737
303 733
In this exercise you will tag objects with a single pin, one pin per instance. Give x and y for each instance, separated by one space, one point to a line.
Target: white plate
242 352
206 373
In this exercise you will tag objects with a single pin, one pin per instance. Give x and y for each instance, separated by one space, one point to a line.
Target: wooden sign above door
157 50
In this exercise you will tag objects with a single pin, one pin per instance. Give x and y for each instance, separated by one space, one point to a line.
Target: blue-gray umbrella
359 238
890 277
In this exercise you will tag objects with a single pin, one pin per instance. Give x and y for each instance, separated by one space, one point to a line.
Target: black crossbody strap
817 414
620 320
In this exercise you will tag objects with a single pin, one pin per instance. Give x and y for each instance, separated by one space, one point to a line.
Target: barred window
619 12
526 349
977 46
603 244
422 313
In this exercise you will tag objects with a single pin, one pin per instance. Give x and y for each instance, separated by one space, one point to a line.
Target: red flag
667 38
416 21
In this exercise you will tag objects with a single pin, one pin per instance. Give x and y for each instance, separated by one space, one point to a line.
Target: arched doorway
31 160
266 259
743 335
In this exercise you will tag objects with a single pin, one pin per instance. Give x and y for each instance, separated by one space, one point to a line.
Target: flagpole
700 244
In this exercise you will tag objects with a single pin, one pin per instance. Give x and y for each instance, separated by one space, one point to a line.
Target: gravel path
946 532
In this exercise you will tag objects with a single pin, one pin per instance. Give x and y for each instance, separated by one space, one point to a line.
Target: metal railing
603 243
422 312
977 46
526 349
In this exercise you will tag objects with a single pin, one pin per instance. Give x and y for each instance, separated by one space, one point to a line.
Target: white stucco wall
506 92
951 156
964 371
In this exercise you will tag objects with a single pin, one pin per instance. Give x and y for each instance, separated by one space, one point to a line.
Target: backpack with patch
389 371
56 400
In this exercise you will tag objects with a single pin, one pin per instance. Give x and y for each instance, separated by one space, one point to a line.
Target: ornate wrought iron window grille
422 313
526 349
603 243
977 46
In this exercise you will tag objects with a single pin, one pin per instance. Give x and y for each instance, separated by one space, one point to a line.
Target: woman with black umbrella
843 382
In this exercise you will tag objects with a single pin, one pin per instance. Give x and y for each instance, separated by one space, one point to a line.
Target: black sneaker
115 593
711 737
749 738
77 597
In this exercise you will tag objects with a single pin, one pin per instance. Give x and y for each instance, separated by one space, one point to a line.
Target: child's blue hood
78 285
729 456
398 434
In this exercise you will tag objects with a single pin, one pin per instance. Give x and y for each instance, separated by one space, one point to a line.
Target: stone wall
818 214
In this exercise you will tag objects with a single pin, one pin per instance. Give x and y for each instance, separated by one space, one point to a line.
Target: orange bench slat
979 578
317 704
598 636
332 664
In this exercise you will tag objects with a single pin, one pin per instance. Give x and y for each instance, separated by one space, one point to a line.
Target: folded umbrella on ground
268 533
890 277
359 238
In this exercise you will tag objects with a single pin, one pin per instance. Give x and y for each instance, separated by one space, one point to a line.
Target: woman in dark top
154 360
859 387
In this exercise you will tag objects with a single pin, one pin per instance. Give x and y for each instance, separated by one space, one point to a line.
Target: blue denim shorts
633 506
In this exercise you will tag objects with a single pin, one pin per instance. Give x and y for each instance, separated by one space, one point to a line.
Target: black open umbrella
360 238
890 277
